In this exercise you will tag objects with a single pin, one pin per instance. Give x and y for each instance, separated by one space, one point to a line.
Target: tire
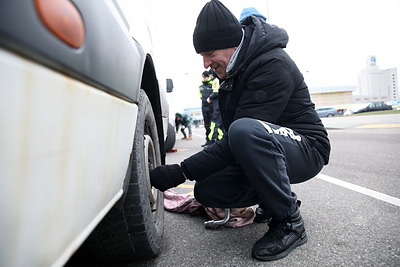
171 138
134 230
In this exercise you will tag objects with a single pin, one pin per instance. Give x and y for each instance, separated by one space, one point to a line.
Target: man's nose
206 62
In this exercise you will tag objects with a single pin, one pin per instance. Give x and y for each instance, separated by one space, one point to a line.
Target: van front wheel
134 230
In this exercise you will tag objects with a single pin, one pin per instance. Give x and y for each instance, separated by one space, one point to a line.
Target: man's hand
166 176
209 100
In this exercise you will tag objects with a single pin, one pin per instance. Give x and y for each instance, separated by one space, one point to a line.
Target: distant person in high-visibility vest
217 131
205 90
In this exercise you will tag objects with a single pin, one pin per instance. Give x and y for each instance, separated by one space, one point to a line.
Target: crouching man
274 136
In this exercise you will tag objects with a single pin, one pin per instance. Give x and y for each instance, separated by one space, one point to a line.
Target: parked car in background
395 104
326 112
375 106
348 112
83 120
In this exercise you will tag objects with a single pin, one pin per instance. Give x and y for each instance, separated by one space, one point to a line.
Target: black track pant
256 163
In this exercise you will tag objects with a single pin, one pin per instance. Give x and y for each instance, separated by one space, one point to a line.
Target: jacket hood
260 37
250 11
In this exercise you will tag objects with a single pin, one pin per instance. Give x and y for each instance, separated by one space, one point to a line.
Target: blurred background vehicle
348 112
395 104
326 112
375 106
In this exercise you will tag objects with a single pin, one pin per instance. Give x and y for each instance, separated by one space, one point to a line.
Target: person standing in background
217 130
205 91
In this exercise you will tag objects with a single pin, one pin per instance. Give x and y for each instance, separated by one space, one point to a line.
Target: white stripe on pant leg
284 131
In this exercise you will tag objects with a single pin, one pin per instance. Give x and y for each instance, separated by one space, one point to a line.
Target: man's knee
243 131
241 127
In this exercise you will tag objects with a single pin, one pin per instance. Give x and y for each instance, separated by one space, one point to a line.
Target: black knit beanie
216 28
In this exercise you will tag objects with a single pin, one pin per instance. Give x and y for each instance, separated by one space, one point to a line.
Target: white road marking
372 193
375 194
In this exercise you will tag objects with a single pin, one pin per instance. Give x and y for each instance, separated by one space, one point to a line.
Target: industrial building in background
375 84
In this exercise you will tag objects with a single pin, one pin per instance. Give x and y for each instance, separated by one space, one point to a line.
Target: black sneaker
262 215
208 143
282 237
205 144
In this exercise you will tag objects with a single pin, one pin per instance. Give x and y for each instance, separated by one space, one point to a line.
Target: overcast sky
329 40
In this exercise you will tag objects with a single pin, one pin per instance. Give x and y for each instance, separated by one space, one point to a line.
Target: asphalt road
351 209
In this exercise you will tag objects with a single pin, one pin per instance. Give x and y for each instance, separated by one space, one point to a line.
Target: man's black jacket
264 84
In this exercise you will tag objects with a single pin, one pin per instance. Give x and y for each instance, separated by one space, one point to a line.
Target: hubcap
150 163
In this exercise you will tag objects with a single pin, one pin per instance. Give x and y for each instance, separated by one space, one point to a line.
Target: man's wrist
185 172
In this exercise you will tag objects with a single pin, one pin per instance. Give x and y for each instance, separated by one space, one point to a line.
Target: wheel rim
150 163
